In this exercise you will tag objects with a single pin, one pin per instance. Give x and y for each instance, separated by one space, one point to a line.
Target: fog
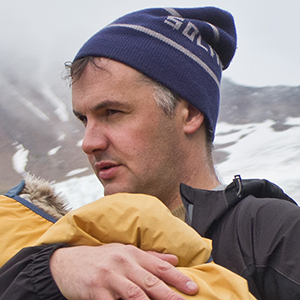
44 34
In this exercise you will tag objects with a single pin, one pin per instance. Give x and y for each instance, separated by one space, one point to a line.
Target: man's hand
116 271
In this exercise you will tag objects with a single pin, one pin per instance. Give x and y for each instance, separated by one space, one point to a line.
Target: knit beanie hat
184 49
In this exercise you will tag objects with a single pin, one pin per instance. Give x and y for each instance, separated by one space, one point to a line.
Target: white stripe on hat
173 44
216 32
173 12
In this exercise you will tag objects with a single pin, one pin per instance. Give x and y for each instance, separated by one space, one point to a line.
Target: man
146 88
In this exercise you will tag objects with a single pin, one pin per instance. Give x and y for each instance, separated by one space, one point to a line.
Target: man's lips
106 170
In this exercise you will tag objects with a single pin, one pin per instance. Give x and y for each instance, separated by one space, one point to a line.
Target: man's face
132 145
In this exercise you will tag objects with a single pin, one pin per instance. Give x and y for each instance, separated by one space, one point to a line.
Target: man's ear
193 119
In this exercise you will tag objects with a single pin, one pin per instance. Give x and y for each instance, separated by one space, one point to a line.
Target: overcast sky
54 30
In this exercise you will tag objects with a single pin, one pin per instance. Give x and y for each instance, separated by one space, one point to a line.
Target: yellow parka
21 225
23 222
146 222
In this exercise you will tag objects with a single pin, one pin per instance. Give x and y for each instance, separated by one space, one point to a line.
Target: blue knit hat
184 49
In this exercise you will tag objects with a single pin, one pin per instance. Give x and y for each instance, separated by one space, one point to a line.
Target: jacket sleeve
27 275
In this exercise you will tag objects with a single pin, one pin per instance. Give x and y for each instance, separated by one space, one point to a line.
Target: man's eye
112 112
83 119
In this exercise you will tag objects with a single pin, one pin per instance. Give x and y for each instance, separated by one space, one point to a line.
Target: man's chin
110 189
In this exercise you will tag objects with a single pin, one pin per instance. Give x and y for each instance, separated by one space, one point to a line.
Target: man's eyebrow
105 104
108 103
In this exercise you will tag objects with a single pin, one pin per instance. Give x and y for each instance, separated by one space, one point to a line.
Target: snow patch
53 151
80 191
76 172
20 159
62 137
293 121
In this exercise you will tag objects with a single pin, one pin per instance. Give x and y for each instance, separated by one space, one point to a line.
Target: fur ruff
39 192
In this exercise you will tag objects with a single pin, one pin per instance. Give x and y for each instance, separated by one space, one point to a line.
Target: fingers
127 290
172 276
170 258
154 275
142 288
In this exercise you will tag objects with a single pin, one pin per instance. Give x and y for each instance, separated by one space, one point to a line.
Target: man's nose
94 139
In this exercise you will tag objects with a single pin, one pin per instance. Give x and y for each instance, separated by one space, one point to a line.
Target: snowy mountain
38 132
258 135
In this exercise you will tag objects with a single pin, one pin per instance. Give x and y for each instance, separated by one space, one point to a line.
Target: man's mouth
106 170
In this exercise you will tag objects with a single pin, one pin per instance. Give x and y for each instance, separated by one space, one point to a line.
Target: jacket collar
206 207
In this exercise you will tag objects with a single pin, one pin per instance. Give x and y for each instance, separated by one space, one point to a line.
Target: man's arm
110 271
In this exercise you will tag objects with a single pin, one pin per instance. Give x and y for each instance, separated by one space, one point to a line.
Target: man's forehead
104 69
107 83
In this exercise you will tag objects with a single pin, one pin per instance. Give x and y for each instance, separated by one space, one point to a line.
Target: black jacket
255 229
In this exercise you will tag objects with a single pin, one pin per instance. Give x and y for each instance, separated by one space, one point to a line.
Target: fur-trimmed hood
43 195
